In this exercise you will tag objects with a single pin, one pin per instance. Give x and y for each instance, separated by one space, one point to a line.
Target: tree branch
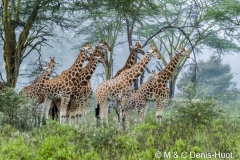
2 78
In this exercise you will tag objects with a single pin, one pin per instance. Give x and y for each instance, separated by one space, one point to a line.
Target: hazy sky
65 56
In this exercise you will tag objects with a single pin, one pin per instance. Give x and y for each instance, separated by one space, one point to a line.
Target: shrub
16 110
196 111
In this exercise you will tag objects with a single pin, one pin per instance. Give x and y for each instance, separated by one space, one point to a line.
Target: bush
196 111
17 110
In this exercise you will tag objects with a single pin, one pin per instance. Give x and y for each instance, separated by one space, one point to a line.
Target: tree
214 79
107 19
27 26
225 11
185 24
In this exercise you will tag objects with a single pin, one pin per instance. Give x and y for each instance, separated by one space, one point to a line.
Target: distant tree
26 26
214 79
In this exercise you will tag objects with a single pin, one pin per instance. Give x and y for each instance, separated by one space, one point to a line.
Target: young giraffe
131 58
61 87
83 91
138 99
161 90
35 90
110 90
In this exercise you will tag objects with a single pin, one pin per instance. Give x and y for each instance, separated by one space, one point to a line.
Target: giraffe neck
145 88
77 65
134 72
166 73
43 77
88 71
130 61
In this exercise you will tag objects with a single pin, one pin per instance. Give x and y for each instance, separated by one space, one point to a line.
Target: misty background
66 51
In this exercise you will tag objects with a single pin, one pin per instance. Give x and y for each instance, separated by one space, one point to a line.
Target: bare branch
2 78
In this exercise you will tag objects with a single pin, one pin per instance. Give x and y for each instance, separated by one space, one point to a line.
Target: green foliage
196 112
56 141
16 110
224 10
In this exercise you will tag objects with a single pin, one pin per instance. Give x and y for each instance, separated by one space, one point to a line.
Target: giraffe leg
145 111
47 107
63 110
79 111
159 107
127 118
104 105
124 113
70 112
86 106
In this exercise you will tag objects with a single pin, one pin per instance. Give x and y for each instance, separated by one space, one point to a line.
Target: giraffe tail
97 111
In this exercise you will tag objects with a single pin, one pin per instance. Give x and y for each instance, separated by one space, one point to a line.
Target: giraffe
65 85
35 90
81 94
160 88
82 56
138 99
61 87
87 89
131 58
110 90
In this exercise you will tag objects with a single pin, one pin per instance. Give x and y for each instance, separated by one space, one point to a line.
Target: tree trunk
108 67
10 56
129 35
172 85
142 78
13 50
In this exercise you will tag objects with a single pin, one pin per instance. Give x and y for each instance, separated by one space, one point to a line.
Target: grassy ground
174 138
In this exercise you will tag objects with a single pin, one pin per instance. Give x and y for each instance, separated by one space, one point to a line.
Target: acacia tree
26 26
108 19
100 21
227 12
185 24
134 13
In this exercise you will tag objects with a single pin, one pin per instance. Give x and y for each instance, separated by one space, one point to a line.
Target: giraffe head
102 45
88 50
153 75
48 68
52 62
99 57
137 48
154 52
182 51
